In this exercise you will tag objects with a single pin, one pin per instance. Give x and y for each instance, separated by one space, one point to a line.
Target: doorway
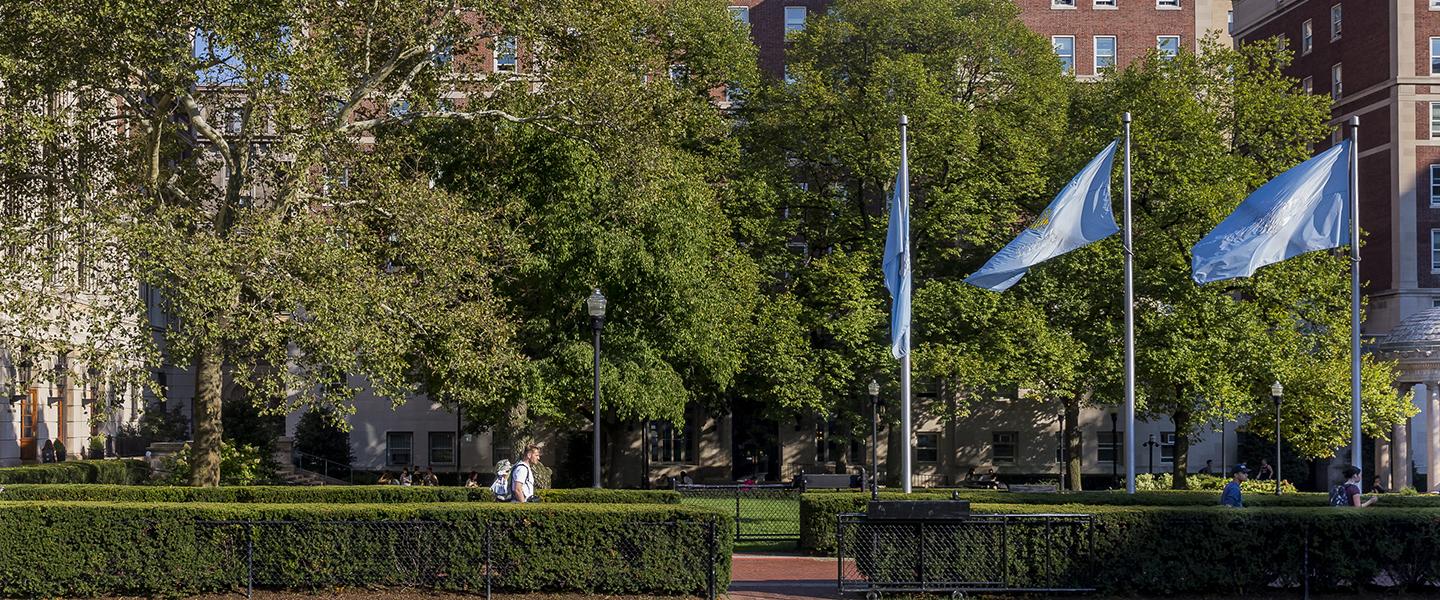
30 425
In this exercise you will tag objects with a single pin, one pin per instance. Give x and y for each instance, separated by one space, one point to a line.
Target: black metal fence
762 512
978 553
434 555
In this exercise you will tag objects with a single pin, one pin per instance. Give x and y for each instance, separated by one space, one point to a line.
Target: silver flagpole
905 358
1355 449
1129 328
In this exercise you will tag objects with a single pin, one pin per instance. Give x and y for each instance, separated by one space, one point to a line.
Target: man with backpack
1348 492
516 483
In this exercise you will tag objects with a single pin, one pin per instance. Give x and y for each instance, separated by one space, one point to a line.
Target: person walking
522 476
1232 497
47 452
1348 492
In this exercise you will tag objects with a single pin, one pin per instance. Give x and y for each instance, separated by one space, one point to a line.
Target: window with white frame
1065 49
1003 447
1167 447
1435 56
1434 4
1434 186
1167 3
442 447
1307 37
794 19
506 53
1109 446
1168 45
1062 3
741 14
927 447
1337 82
1105 51
670 444
398 446
1335 19
1435 250
1105 4
1308 84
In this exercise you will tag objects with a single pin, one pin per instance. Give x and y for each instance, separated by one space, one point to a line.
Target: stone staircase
293 475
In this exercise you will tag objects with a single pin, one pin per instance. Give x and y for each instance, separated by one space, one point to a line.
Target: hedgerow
76 549
371 494
123 472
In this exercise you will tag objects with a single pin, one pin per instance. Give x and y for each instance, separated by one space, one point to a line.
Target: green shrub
1146 482
70 549
819 509
124 472
239 465
374 494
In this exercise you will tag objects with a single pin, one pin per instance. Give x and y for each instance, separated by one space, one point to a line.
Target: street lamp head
1277 390
874 388
1113 418
595 304
1152 438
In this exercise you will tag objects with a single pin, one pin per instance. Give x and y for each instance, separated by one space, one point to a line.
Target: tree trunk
1073 446
1182 420
205 449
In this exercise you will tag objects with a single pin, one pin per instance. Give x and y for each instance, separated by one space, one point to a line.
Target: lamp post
874 390
1114 447
1151 444
1276 392
595 305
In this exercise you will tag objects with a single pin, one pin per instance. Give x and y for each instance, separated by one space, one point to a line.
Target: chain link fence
643 556
977 553
762 512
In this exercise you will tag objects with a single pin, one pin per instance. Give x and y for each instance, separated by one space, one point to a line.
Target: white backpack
501 487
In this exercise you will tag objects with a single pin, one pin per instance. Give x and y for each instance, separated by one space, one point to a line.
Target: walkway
782 577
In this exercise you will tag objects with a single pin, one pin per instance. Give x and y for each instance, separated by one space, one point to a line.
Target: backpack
501 487
1338 496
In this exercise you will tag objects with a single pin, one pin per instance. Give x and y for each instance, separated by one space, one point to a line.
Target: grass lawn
760 518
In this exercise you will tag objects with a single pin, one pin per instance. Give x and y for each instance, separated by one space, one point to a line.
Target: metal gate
762 512
976 553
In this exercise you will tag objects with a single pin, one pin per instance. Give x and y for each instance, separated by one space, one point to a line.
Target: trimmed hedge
819 509
370 494
70 549
122 472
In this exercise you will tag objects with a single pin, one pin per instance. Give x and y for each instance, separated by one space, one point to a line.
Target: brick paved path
782 577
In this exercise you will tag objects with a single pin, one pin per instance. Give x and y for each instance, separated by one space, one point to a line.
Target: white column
1399 456
1432 436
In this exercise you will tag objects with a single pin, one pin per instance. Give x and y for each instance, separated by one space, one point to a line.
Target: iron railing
435 555
762 512
976 553
322 466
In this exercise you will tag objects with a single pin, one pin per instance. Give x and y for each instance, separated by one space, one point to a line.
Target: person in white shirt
522 476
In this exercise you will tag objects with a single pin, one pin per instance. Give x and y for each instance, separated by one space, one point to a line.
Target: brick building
1378 60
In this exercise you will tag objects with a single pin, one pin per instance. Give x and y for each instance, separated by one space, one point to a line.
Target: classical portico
1415 345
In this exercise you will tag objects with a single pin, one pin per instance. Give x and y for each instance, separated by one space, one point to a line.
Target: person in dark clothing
1375 487
1266 471
1348 493
1231 497
47 452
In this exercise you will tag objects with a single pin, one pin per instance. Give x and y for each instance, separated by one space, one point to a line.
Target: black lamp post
595 305
1276 392
1151 444
1114 447
874 390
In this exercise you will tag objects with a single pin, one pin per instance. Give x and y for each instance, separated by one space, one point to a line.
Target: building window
1435 56
1062 3
1434 4
1167 447
1104 52
1105 4
668 443
1435 250
1308 84
1307 37
397 448
1337 87
1065 49
794 19
1167 4
1003 445
741 14
442 447
1434 186
506 52
1110 446
927 447
1335 19
1168 45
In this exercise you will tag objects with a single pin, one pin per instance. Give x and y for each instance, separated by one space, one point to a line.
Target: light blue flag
1304 209
1079 215
897 267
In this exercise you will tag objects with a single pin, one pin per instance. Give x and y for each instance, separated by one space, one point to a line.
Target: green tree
320 435
982 93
